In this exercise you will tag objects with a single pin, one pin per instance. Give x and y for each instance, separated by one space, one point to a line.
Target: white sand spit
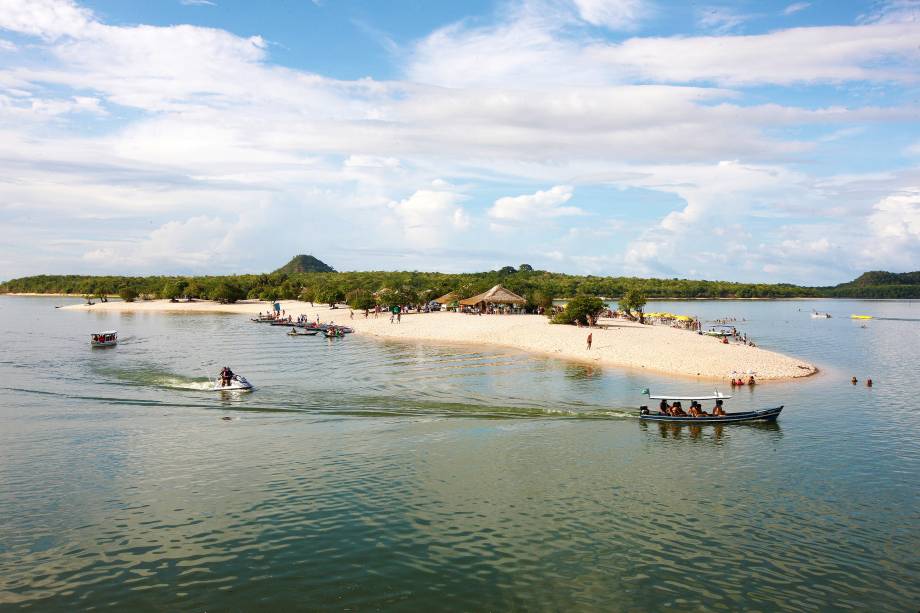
624 344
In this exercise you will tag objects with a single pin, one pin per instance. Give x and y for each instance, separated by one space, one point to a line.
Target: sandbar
623 344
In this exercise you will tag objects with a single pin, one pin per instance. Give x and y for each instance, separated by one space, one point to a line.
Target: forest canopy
538 286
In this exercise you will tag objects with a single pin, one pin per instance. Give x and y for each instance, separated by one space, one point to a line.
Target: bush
632 300
270 294
329 296
227 292
579 308
128 294
360 299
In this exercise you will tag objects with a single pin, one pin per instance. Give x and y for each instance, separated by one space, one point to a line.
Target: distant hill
305 263
881 277
878 284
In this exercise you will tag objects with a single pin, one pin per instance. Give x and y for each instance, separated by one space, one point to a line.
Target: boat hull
746 416
103 343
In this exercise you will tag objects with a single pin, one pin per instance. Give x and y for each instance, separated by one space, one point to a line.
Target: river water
366 475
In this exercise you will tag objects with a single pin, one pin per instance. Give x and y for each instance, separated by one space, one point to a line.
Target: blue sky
763 141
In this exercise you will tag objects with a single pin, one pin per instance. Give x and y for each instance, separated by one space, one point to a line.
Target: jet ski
238 383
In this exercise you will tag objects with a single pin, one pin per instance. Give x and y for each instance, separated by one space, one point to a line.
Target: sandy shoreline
624 344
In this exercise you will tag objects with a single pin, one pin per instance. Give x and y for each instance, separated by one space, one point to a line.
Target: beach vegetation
127 293
411 287
633 300
227 292
360 299
581 309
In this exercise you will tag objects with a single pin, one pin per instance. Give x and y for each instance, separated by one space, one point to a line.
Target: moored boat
104 339
306 333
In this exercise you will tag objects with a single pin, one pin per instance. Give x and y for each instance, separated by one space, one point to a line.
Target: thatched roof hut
496 295
447 298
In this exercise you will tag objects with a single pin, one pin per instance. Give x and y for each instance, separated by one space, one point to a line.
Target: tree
128 293
525 268
227 292
308 294
539 298
507 270
579 309
330 296
193 289
171 290
633 300
360 299
269 294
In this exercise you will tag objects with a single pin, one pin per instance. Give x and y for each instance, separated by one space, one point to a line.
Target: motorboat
767 415
860 317
238 383
104 339
720 331
820 315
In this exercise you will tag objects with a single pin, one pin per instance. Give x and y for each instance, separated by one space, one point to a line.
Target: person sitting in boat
696 410
751 380
677 410
718 410
663 408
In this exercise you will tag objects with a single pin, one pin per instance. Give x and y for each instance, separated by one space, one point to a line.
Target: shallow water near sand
363 474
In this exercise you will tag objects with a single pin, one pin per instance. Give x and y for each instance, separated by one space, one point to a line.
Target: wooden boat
761 415
307 333
104 339
283 323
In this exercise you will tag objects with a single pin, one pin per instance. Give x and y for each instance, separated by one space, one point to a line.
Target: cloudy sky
746 140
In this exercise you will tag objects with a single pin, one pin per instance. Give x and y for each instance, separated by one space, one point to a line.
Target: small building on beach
498 296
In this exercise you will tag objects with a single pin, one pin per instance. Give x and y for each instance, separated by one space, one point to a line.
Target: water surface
364 474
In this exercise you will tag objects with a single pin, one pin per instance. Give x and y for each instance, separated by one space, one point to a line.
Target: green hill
878 284
304 263
881 277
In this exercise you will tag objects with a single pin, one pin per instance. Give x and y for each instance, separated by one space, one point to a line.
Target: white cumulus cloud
540 205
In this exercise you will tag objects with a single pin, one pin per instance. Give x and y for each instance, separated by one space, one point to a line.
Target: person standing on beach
589 340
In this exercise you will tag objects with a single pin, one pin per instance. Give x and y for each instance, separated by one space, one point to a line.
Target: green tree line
366 288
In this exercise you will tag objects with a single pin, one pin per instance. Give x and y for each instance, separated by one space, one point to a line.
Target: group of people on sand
739 382
695 410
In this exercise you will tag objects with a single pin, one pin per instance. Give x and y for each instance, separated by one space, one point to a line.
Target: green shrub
128 294
579 308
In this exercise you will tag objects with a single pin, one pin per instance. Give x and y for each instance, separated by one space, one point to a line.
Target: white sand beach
623 344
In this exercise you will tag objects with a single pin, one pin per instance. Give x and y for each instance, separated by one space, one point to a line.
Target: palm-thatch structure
447 298
496 295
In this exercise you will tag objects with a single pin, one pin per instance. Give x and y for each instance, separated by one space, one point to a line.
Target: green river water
369 475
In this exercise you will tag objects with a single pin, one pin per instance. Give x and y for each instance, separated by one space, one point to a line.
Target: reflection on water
363 474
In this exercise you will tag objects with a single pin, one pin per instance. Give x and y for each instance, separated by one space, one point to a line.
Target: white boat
820 315
104 339
238 383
